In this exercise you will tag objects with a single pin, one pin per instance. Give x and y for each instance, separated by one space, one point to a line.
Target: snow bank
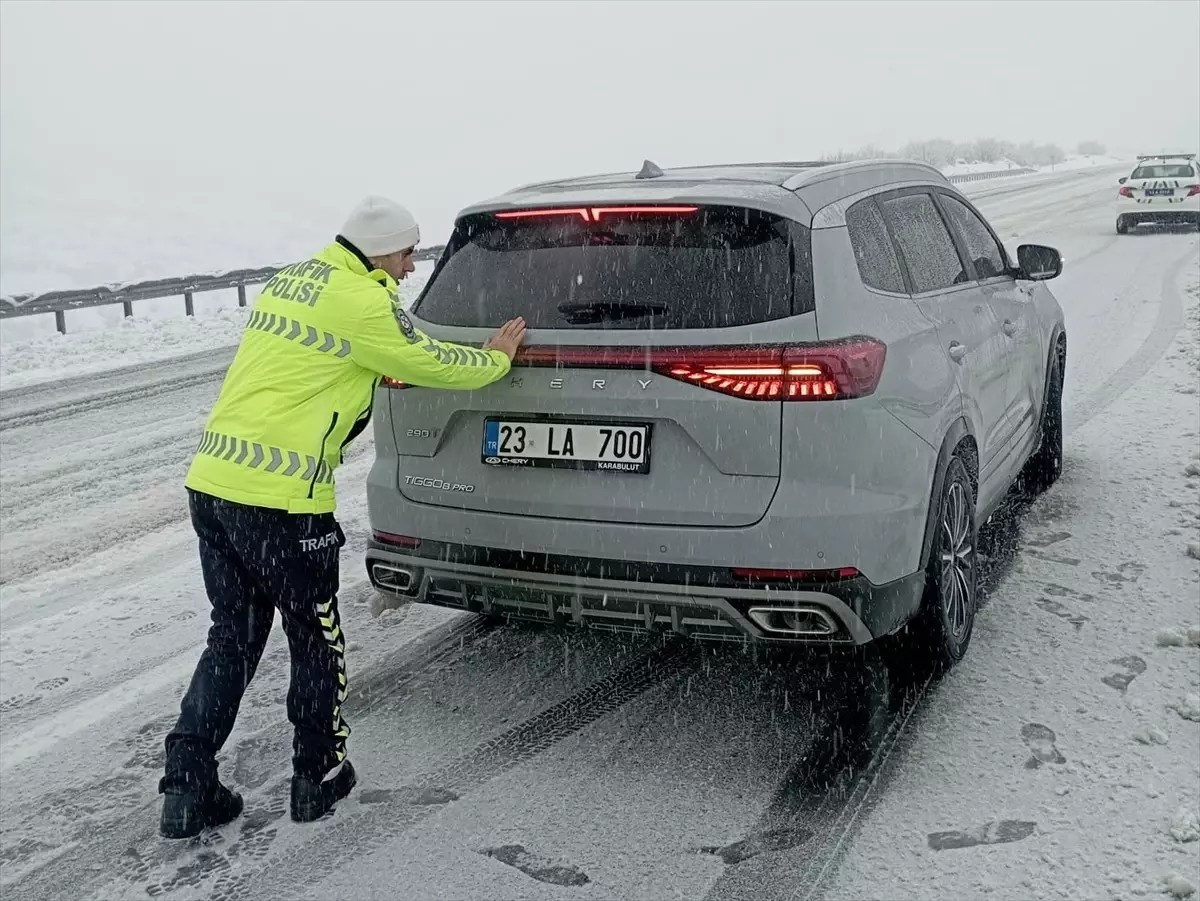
131 342
1178 886
1071 163
1179 637
1188 707
978 168
1185 826
102 339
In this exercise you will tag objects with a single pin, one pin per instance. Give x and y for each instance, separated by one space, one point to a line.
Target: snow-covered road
529 764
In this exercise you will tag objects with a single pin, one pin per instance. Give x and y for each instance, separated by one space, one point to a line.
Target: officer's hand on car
508 338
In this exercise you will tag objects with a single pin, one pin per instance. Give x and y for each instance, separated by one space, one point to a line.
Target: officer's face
397 265
400 264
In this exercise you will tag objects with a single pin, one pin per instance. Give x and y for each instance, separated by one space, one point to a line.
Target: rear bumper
1183 209
702 603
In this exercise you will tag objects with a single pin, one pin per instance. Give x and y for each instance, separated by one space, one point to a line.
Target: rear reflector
595 213
797 575
397 540
833 370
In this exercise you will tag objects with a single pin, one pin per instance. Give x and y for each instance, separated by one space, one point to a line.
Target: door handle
1010 327
957 351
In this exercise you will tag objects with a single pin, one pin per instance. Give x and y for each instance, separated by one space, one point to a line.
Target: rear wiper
599 311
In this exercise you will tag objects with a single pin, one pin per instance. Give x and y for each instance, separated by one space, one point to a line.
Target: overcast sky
156 109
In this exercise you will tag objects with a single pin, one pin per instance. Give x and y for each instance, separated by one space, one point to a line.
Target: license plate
614 447
1160 192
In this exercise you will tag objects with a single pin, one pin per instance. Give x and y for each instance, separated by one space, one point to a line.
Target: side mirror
1038 263
1122 179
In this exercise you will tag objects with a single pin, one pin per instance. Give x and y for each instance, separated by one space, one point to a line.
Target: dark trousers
256 561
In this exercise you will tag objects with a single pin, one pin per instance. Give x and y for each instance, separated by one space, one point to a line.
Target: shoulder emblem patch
406 326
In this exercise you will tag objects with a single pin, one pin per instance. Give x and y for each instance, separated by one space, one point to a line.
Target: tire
1122 226
1045 466
942 630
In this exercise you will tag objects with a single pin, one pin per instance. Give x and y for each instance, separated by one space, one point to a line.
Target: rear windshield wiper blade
599 311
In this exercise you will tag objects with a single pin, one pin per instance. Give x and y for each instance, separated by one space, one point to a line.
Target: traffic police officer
261 496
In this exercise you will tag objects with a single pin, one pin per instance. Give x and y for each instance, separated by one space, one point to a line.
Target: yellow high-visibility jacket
302 384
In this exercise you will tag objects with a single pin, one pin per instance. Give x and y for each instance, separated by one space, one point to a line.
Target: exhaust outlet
798 621
396 579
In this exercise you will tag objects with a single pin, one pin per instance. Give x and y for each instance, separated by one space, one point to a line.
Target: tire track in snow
869 722
385 814
1167 323
109 399
72 396
78 470
127 803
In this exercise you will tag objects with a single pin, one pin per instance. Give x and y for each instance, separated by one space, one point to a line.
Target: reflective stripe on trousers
331 631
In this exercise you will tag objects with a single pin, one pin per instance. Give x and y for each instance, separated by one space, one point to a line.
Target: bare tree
941 152
988 150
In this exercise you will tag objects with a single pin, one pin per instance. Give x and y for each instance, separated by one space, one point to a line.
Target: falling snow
1059 758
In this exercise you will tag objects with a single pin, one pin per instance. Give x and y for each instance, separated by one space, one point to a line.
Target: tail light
1193 190
1125 192
834 370
395 383
595 213
397 540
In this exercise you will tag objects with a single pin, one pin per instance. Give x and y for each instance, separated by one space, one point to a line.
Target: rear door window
929 251
982 247
695 268
1163 170
873 249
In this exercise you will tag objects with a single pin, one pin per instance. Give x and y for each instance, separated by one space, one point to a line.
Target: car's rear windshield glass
615 268
1163 171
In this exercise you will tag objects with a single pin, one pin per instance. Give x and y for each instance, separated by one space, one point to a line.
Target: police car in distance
1163 189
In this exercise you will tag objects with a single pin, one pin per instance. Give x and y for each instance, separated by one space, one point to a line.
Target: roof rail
1167 156
776 164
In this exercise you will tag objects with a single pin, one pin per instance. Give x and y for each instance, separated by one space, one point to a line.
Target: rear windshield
708 267
1172 170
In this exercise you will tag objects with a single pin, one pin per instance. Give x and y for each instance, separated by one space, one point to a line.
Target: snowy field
1072 163
1061 759
102 339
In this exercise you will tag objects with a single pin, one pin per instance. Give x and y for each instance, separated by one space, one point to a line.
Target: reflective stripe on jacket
302 383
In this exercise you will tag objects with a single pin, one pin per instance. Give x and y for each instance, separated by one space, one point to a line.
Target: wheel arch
1057 348
959 437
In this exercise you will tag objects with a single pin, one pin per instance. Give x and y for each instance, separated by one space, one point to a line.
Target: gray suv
768 402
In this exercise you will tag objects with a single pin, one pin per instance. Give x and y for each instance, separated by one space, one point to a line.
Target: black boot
188 813
312 800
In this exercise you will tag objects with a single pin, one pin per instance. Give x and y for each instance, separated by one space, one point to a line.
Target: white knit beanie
378 226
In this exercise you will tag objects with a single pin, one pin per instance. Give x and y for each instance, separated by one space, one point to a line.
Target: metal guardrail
996 173
61 302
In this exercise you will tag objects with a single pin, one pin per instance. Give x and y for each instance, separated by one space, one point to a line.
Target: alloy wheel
957 562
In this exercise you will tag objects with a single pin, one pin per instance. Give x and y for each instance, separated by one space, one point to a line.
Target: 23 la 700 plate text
610 447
